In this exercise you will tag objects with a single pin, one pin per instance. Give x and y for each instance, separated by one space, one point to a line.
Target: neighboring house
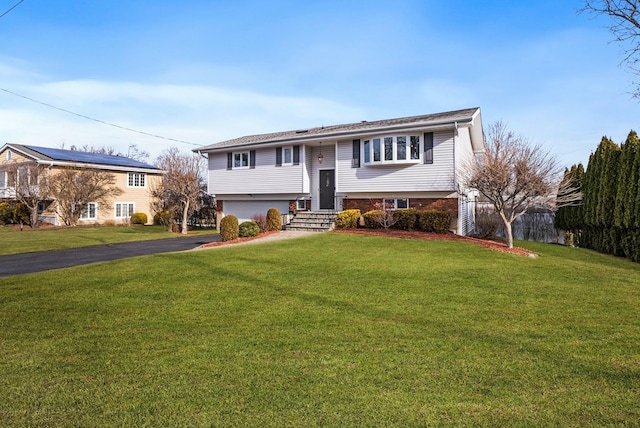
133 177
406 162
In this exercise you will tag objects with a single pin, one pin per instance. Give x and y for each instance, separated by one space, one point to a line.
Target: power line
12 7
97 120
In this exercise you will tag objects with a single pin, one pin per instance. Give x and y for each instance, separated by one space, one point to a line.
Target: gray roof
347 129
50 154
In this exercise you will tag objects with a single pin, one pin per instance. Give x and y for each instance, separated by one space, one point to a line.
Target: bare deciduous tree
625 27
28 181
73 189
181 184
512 174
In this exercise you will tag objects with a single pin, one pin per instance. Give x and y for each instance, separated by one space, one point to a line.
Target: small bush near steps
248 229
229 229
274 220
348 219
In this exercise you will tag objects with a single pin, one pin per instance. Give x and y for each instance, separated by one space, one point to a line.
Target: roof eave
430 125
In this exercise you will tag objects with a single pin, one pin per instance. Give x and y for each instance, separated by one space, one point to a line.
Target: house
405 162
134 178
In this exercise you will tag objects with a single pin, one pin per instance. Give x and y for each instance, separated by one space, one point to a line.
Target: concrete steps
312 221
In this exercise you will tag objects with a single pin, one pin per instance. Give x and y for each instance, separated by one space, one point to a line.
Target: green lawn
28 240
329 330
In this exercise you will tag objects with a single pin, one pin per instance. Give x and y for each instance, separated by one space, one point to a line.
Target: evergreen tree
626 192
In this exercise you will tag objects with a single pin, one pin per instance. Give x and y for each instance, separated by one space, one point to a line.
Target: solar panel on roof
86 157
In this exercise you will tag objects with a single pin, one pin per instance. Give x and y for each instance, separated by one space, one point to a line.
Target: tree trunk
34 218
508 234
185 214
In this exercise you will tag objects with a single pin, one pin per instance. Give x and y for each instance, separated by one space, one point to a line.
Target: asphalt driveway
18 264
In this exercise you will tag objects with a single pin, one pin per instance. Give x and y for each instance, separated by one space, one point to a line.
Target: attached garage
244 210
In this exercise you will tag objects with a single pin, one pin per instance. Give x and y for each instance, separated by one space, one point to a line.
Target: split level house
132 177
409 162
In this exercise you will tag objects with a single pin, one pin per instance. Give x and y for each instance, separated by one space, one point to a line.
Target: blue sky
205 71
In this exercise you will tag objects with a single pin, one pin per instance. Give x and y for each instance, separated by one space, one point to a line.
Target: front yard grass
14 241
329 330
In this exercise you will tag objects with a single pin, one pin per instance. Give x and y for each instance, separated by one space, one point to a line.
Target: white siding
265 178
464 152
435 177
244 210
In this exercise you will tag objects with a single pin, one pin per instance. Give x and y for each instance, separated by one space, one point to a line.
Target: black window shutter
428 147
252 159
296 155
229 160
278 156
355 159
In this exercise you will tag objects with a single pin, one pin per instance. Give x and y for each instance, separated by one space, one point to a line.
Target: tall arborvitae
600 188
627 183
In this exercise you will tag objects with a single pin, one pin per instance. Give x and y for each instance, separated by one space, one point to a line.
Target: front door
327 189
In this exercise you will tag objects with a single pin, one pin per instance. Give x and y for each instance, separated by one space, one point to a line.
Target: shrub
348 219
407 219
139 218
274 220
6 213
488 224
229 229
435 221
261 221
248 229
162 217
21 214
372 219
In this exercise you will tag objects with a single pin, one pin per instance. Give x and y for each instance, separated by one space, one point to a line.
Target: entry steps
312 221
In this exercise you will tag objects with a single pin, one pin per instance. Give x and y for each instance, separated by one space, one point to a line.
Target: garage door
244 210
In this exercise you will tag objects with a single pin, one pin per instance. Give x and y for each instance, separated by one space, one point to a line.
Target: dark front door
327 189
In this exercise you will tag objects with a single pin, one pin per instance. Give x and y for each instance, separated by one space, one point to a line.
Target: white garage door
244 210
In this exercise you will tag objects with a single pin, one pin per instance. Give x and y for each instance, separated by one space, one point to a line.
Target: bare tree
181 184
28 180
133 152
512 175
73 190
625 27
568 194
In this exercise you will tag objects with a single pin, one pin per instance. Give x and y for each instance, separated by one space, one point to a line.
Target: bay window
392 150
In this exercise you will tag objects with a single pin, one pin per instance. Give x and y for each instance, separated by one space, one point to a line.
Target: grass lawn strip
30 240
329 330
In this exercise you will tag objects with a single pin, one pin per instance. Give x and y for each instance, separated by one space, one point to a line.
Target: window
396 204
415 147
136 179
401 148
124 209
9 155
288 155
388 148
241 160
3 179
302 204
392 150
89 212
367 151
355 156
42 207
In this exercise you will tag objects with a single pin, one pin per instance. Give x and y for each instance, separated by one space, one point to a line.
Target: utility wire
97 120
12 7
